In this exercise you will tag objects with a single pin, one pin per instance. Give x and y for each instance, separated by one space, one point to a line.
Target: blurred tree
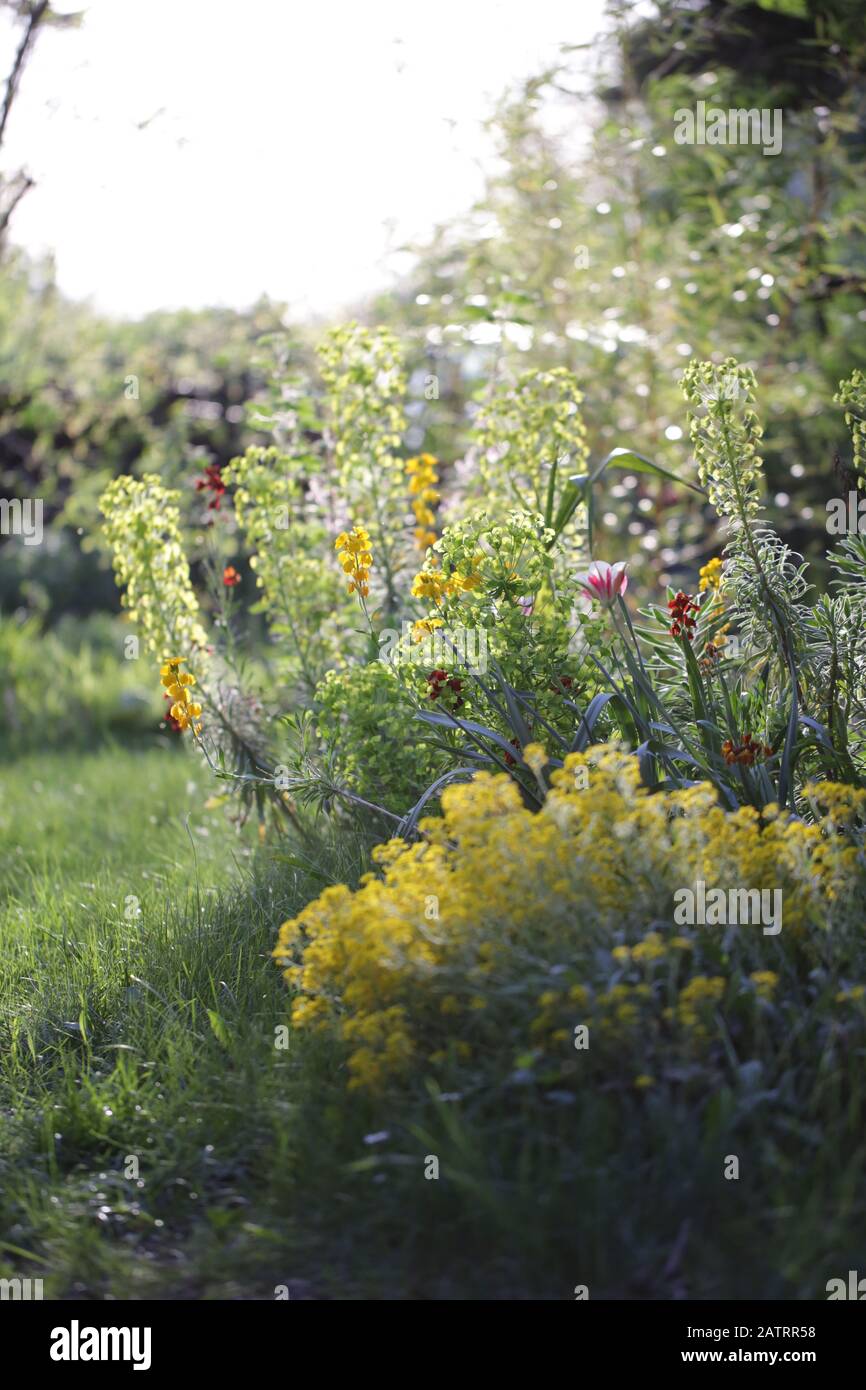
30 17
83 398
604 245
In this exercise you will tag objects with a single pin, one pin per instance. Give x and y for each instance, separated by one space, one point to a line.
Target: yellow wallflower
430 583
425 627
711 575
185 712
422 488
356 558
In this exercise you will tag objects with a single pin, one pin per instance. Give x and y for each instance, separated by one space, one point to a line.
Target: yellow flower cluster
711 575
700 994
184 711
650 949
765 982
356 558
399 968
422 488
425 627
711 581
431 583
535 757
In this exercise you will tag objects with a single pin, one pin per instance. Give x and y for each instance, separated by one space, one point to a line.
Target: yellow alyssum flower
535 757
651 948
701 993
852 995
765 981
531 889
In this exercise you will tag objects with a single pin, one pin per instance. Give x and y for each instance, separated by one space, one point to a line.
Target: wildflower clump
362 407
142 526
362 713
527 430
299 595
501 930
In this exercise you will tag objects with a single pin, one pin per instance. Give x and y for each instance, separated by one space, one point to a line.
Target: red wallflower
746 753
230 577
445 688
212 482
682 606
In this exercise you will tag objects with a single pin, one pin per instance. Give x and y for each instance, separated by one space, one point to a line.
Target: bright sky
195 152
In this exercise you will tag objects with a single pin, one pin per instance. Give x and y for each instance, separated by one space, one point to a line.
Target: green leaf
580 486
220 1028
798 8
785 772
637 463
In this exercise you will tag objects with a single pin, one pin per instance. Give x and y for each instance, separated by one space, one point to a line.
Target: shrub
68 686
483 946
363 713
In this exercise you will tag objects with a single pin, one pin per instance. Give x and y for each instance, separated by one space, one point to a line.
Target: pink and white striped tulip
604 582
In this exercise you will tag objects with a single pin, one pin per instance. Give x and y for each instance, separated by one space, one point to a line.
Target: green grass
155 1142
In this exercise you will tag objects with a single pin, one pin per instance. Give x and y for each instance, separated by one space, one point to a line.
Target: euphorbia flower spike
604 582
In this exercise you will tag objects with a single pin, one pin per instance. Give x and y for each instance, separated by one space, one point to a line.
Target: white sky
291 145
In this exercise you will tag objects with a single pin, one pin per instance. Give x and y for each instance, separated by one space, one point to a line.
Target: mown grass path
110 871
